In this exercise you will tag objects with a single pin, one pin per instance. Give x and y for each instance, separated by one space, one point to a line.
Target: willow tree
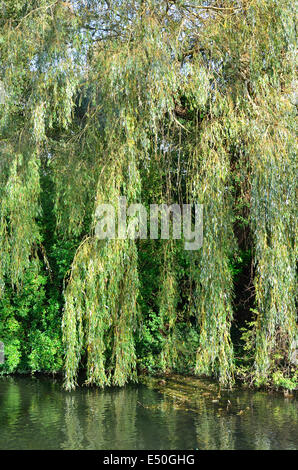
163 101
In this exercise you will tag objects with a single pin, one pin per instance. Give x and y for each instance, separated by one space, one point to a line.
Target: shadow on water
35 413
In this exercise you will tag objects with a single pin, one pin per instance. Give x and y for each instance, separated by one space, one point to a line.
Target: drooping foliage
158 102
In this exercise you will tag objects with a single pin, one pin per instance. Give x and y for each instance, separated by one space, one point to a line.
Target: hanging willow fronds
168 299
214 282
171 102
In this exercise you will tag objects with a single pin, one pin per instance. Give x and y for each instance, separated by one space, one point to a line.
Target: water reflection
38 414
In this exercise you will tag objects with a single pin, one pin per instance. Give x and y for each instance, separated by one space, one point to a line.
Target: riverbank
185 385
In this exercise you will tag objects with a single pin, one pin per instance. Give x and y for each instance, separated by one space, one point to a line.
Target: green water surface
36 413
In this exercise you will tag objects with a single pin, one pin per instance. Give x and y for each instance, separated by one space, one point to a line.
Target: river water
36 413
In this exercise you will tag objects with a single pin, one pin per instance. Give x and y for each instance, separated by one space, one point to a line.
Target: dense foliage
160 102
